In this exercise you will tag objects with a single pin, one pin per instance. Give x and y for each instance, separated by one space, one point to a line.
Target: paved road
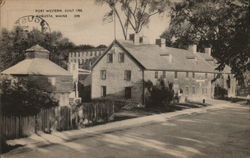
223 133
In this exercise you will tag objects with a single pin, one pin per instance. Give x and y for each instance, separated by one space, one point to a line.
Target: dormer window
193 59
168 57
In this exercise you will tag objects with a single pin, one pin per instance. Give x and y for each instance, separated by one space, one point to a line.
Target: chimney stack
136 39
193 48
208 51
131 37
144 40
161 42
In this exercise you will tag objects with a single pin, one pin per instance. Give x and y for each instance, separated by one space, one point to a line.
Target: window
127 75
110 58
103 91
91 53
175 74
164 74
128 91
156 74
193 90
95 53
206 75
103 74
187 91
187 74
52 80
193 74
121 57
204 91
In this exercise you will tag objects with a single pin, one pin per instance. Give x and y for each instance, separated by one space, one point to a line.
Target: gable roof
151 57
107 50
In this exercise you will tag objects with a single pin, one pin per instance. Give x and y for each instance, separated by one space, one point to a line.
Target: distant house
121 70
38 67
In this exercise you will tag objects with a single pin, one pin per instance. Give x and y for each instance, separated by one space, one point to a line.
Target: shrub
24 97
159 94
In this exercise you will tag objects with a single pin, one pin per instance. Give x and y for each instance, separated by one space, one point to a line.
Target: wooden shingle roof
151 57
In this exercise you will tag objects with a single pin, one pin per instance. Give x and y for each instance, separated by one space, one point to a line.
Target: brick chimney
135 38
161 42
193 48
144 40
208 51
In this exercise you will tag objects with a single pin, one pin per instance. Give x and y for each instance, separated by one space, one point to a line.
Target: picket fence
59 118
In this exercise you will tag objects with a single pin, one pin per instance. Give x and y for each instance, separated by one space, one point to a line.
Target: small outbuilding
39 68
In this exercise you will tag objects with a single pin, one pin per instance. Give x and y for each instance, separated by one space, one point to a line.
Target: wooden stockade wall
60 118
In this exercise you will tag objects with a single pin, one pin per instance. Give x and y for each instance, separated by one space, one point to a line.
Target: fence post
36 124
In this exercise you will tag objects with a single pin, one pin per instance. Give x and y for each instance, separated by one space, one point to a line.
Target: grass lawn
133 112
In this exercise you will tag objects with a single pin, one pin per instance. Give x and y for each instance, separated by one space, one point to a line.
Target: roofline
130 55
105 52
110 46
92 49
33 75
186 71
144 68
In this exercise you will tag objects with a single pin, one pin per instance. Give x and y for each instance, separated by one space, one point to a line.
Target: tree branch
119 18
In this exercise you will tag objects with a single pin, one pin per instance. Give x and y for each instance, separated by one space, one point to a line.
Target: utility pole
114 25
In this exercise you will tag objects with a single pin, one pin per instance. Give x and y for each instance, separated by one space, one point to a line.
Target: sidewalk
62 137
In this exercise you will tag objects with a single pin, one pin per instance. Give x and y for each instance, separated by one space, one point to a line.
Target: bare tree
133 13
2 2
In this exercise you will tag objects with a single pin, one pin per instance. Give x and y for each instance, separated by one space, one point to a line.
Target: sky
84 22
